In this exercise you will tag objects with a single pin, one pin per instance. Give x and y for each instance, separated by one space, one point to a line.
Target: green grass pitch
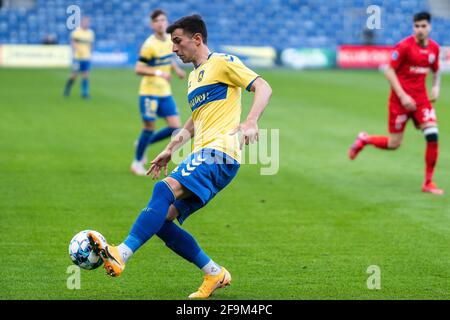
309 232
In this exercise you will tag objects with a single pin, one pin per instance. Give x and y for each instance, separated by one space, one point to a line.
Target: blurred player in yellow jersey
156 61
214 94
82 40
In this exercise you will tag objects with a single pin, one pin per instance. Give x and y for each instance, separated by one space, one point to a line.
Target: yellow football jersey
157 54
84 38
214 96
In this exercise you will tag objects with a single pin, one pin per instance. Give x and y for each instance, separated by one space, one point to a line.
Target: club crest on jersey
395 55
432 58
200 76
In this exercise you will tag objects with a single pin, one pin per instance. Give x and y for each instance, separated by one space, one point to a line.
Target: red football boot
358 145
431 187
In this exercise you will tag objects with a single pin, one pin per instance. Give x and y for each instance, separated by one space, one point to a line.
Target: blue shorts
153 106
204 173
81 65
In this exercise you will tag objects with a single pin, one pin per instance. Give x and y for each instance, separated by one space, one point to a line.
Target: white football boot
137 167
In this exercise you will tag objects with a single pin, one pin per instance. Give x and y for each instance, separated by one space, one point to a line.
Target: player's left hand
180 73
159 163
434 94
249 132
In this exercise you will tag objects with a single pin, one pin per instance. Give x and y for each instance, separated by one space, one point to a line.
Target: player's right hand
408 102
159 163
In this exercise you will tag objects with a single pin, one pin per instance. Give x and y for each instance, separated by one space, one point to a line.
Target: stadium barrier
113 58
366 57
345 57
35 56
258 57
59 56
306 58
372 57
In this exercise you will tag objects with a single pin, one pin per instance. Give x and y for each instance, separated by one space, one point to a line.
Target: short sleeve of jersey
435 65
236 73
146 53
398 56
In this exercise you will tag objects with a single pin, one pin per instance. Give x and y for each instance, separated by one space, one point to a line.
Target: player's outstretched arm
161 161
436 87
406 100
249 128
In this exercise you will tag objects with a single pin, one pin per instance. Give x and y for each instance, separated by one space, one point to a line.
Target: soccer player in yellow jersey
82 40
214 94
156 61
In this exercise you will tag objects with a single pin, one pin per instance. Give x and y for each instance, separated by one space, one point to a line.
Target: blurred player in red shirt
410 63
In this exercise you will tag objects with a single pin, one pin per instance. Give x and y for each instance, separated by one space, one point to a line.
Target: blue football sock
143 142
183 244
162 134
152 217
85 88
68 86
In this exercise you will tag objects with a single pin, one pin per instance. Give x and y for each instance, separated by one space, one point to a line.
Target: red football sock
380 142
431 156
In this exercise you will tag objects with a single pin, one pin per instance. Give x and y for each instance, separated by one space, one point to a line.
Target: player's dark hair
190 24
156 13
422 16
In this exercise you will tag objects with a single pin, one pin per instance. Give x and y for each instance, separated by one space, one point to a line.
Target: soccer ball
81 253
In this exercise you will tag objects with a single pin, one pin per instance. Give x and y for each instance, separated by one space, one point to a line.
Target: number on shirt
429 115
151 106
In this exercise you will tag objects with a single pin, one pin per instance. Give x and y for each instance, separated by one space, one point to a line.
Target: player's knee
431 134
149 125
161 188
173 122
162 197
172 213
394 144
